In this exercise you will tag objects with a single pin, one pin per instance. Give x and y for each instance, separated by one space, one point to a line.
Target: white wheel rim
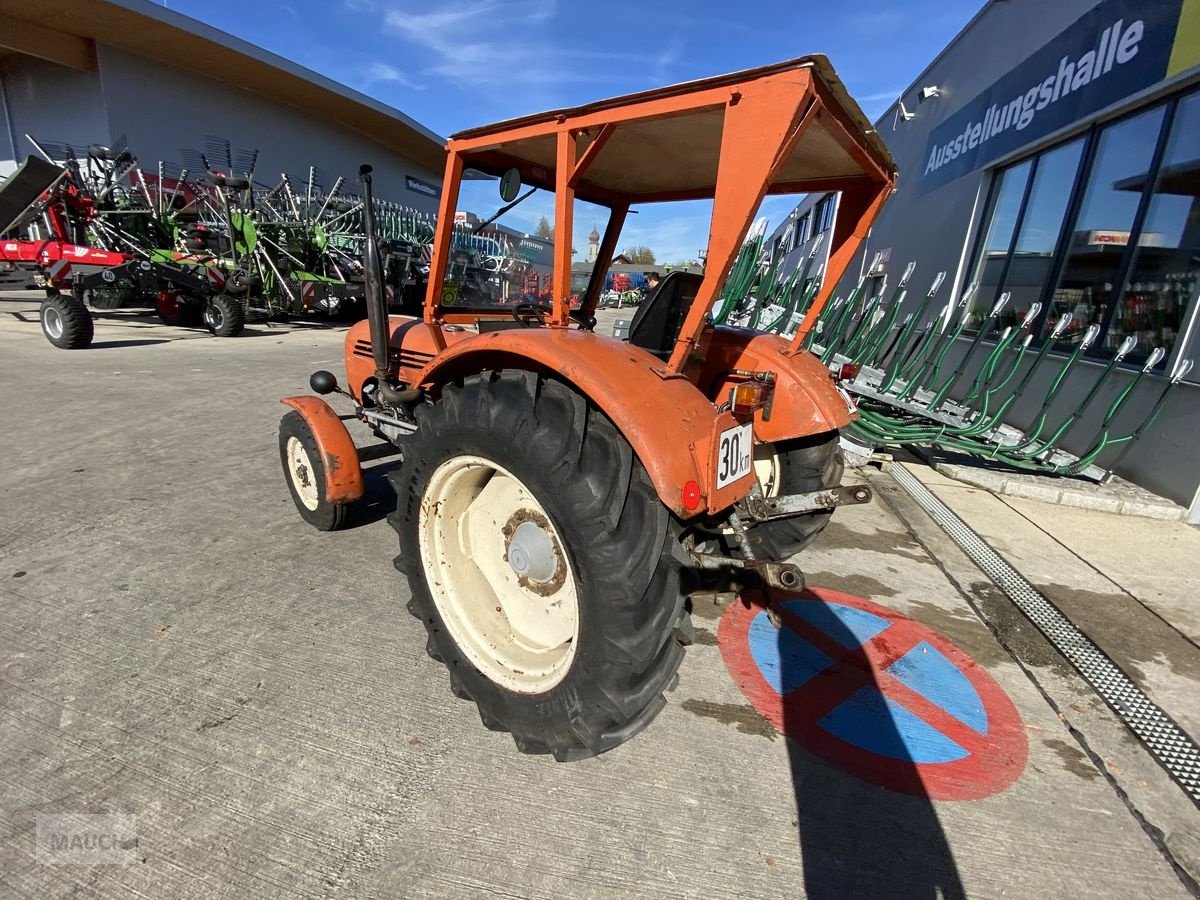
300 469
213 315
766 469
52 322
498 574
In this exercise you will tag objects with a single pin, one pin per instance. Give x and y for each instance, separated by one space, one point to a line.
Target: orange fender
806 398
343 472
673 428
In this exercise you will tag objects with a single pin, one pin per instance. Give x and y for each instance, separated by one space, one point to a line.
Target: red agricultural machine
561 492
78 270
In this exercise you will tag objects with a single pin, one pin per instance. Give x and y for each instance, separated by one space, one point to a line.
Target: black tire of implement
77 326
327 516
191 311
813 463
622 542
224 316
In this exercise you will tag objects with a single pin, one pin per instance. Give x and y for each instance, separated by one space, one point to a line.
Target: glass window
1102 230
1163 277
1039 230
511 258
802 229
823 214
1002 222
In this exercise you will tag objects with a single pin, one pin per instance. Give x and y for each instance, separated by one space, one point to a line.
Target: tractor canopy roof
665 144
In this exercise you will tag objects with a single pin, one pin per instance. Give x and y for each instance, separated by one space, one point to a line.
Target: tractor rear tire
802 465
304 469
66 322
224 316
542 563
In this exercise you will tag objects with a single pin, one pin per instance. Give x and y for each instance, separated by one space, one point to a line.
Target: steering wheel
523 312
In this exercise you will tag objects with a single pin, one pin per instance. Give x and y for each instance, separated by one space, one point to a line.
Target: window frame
1091 138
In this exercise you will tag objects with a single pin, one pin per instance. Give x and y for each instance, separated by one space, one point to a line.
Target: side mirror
510 185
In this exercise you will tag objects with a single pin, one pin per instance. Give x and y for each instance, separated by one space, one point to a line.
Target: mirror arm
501 211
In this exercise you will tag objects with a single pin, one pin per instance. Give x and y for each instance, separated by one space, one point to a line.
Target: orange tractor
562 492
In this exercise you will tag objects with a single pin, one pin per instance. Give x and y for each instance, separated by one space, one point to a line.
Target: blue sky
454 66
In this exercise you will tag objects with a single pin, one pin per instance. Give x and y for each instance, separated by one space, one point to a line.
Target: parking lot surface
177 645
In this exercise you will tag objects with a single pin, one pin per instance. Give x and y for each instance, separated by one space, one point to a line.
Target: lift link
782 575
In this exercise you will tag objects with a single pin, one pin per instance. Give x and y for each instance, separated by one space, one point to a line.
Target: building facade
82 72
1052 152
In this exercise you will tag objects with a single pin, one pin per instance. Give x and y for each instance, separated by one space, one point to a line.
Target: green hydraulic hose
1051 442
1040 420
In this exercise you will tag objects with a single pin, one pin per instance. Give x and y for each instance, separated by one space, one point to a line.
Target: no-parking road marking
877 694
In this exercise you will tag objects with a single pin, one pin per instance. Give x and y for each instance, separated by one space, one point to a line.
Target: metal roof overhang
66 31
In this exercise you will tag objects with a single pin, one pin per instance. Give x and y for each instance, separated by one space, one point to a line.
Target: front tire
304 470
66 322
797 466
224 316
542 563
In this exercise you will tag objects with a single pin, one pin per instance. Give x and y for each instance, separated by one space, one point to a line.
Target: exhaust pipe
377 317
377 312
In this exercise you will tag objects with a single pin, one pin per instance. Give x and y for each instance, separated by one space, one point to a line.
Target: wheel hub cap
53 322
498 572
531 550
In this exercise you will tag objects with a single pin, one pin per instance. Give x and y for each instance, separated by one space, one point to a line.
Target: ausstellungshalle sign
1117 49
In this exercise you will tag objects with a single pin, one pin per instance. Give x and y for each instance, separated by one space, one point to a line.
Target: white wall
51 103
162 109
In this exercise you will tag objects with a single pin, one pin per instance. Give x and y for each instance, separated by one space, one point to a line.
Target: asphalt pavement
178 647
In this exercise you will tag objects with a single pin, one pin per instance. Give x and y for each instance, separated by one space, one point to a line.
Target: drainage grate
1170 744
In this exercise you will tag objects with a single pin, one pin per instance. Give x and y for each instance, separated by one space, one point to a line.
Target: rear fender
672 427
343 472
806 399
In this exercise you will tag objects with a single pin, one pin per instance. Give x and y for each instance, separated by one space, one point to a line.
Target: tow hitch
797 504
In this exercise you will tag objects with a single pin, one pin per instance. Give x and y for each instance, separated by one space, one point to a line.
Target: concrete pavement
178 645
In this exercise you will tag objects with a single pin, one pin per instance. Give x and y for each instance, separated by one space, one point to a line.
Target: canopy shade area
665 144
784 128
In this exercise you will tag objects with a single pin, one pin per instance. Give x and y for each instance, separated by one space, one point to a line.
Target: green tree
544 229
640 255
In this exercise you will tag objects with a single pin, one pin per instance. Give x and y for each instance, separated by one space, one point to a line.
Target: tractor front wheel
224 316
66 322
542 563
304 469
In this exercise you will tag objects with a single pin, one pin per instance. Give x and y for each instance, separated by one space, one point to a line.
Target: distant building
1052 152
83 72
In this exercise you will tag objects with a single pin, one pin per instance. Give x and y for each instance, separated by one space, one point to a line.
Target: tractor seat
228 181
656 323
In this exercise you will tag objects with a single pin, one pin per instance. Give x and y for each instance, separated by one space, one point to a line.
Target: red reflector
849 371
691 496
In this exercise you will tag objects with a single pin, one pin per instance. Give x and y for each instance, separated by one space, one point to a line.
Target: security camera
926 92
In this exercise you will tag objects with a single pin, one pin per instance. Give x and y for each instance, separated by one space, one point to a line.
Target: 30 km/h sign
877 694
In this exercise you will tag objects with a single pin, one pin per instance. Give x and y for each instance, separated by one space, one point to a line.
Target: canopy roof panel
661 146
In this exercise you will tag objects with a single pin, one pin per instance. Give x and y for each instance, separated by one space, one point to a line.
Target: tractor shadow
112 345
857 838
379 497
